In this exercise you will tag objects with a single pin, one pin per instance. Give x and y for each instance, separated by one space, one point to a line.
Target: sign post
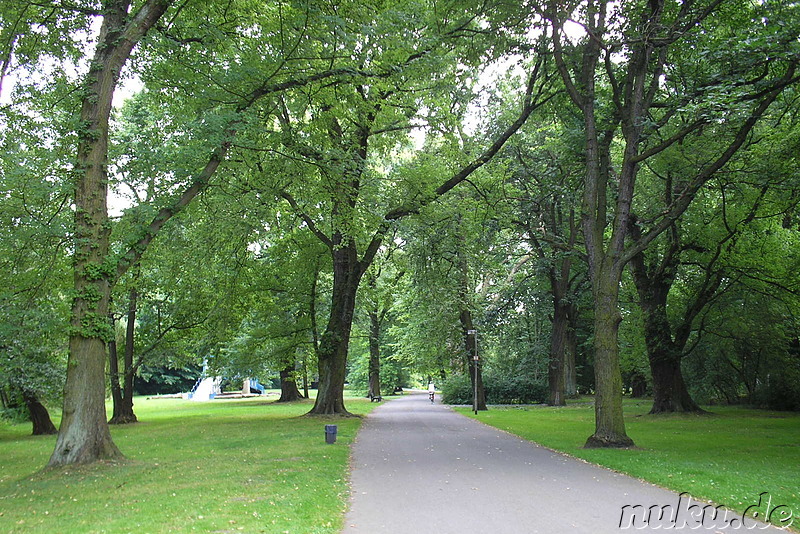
474 334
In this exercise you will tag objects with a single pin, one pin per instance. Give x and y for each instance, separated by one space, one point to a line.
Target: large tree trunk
289 391
558 345
609 422
335 341
570 352
374 355
84 435
664 353
669 390
40 417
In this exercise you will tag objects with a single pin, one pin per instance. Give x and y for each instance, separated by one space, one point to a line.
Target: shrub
500 389
780 391
506 389
457 389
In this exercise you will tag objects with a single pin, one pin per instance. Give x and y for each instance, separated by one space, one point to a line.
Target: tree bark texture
40 417
335 340
374 355
289 390
609 422
84 436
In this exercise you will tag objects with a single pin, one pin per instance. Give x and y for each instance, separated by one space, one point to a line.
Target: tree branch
307 219
529 105
681 203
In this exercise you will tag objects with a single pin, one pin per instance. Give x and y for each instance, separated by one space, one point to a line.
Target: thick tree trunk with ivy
335 340
609 422
374 355
84 434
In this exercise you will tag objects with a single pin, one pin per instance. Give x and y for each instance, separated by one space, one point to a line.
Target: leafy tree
278 330
446 272
194 45
643 80
382 282
334 135
543 169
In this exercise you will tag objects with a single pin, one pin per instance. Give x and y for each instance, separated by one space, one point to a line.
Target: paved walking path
419 467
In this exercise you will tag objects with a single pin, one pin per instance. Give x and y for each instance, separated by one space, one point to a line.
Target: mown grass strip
223 466
728 457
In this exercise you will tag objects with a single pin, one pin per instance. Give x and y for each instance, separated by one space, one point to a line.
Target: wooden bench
375 398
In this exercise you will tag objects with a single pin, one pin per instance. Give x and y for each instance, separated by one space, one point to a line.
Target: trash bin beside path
330 434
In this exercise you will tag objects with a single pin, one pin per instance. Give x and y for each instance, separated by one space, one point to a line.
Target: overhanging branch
530 104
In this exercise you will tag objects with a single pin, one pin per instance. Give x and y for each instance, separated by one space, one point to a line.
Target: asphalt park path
421 467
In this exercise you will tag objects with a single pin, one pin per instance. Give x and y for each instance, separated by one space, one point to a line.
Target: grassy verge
729 457
224 466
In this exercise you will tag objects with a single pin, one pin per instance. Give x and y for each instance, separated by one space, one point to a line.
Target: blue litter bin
330 434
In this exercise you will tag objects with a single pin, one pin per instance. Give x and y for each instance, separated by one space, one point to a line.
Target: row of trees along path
306 123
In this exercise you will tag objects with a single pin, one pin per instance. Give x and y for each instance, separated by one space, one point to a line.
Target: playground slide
205 389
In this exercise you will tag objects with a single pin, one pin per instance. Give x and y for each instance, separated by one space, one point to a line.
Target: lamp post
474 334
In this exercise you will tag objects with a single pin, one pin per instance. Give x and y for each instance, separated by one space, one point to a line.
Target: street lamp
474 334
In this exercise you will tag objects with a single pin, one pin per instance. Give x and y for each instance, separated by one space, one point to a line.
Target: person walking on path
416 464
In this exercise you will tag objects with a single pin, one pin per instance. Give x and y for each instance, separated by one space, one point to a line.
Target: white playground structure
208 387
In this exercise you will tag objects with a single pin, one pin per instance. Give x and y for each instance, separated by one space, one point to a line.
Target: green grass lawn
222 466
729 457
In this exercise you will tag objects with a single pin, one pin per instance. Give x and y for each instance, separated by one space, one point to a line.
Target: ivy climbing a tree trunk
84 435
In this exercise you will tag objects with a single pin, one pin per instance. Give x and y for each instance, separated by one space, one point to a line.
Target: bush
514 390
780 391
500 389
161 380
457 389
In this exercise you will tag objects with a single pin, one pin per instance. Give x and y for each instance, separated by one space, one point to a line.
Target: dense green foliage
500 389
